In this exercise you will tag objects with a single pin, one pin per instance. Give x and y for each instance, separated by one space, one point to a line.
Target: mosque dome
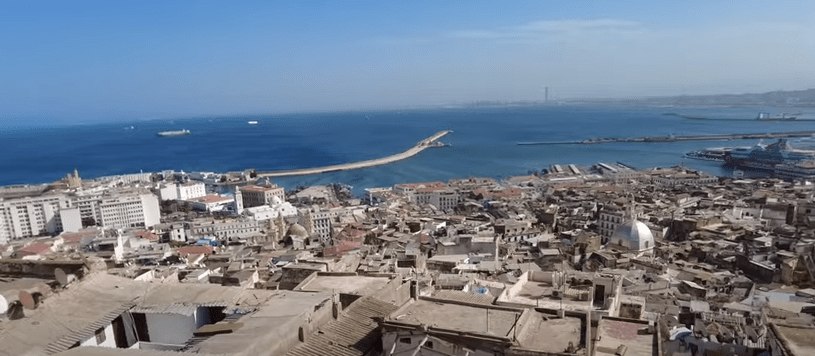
632 235
297 230
276 201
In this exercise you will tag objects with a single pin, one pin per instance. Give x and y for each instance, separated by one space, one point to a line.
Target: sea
483 143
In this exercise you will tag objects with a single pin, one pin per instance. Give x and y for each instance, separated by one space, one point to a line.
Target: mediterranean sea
483 143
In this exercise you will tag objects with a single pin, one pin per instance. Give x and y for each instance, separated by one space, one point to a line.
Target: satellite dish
61 276
15 310
3 305
30 300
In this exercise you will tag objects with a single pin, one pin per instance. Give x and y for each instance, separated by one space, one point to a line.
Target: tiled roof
35 249
355 333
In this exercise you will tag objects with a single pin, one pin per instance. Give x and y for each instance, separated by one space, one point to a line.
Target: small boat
252 122
184 132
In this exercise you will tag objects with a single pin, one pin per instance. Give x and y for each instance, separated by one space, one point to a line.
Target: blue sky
102 61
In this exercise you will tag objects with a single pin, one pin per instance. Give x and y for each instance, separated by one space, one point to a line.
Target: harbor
676 138
420 146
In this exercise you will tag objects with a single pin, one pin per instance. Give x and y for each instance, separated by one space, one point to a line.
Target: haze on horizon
76 62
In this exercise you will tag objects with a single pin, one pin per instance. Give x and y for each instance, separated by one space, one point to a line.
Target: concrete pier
419 147
652 139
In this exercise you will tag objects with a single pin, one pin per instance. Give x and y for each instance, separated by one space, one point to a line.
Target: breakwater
673 138
419 147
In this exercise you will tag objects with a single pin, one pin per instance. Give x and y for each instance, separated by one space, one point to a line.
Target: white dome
632 235
276 201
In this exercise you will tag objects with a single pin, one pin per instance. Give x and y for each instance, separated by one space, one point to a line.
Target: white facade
610 219
224 230
256 195
31 216
443 199
318 222
126 211
168 191
71 219
191 190
210 203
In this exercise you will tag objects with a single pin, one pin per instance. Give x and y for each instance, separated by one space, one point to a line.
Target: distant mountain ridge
780 98
794 98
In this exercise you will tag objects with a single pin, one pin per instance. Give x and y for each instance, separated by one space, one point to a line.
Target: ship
766 157
184 132
764 116
709 154
252 122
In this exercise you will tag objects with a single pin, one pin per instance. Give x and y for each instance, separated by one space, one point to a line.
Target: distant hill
795 98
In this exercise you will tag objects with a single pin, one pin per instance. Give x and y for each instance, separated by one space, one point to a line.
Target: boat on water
184 132
783 117
252 122
709 154
766 157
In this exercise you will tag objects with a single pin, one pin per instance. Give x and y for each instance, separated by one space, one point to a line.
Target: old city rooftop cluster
600 260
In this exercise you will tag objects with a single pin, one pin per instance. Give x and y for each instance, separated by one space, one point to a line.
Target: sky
83 61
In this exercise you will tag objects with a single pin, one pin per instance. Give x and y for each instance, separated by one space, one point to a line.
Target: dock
420 146
656 139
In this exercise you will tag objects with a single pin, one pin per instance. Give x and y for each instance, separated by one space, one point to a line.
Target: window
405 340
100 336
429 344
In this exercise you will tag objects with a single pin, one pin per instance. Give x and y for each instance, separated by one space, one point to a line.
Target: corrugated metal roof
178 308
89 330
353 334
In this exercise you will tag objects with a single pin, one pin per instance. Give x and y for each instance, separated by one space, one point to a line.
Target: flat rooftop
543 333
541 294
359 285
496 322
799 340
613 332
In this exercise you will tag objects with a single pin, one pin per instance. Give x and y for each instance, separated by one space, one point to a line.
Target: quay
653 139
419 147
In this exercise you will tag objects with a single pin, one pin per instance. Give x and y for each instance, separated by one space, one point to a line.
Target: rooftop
257 188
484 320
615 332
347 284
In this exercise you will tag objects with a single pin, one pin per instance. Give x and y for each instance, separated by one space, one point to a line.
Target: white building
131 210
210 203
168 191
611 216
268 212
254 195
225 230
191 190
318 222
441 198
31 216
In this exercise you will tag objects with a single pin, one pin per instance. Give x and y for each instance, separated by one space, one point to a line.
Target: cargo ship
184 132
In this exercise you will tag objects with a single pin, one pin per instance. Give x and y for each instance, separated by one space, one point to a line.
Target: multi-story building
318 221
611 216
27 216
191 190
254 195
117 209
225 230
132 210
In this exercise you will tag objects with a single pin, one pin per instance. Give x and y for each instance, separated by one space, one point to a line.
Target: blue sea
483 143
